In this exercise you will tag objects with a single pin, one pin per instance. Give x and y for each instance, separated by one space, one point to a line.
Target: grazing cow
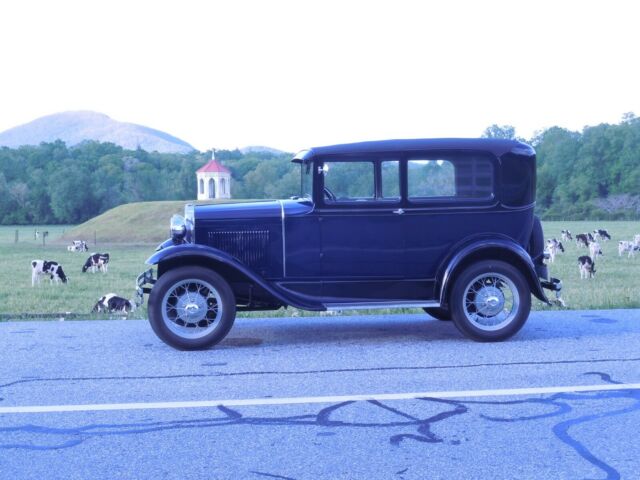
587 267
78 246
113 303
625 246
97 261
553 247
46 268
582 240
601 234
595 250
566 235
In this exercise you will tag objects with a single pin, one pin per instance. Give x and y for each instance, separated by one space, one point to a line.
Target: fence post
95 238
17 236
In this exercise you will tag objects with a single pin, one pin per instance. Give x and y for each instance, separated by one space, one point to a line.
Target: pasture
616 283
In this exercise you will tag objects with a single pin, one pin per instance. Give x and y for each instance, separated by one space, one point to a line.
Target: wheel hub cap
191 307
489 301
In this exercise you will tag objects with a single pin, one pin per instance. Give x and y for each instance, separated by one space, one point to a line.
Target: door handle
398 211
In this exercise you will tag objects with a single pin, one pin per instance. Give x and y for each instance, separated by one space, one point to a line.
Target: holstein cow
566 235
587 267
113 303
582 240
601 235
595 250
78 246
97 261
636 240
48 268
625 246
553 247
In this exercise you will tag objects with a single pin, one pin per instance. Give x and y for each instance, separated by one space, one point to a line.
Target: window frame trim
374 158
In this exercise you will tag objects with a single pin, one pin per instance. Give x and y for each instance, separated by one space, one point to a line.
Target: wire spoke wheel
491 301
191 308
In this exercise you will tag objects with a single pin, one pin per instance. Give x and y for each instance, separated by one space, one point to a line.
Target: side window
431 178
462 177
348 181
390 180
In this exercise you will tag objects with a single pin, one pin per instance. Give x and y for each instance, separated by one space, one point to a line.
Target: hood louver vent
248 246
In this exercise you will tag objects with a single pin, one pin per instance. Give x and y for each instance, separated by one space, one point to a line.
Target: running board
373 305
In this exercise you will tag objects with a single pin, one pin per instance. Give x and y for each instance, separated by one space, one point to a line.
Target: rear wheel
191 308
490 301
439 313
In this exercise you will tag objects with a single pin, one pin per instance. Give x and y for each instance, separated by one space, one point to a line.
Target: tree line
593 174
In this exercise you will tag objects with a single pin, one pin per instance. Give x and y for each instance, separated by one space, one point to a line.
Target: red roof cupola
213 166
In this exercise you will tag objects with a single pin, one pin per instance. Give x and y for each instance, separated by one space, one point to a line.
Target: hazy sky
295 74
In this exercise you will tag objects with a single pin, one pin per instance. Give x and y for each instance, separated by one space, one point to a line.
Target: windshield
306 180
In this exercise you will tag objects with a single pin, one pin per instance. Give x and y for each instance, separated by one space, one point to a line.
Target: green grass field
616 284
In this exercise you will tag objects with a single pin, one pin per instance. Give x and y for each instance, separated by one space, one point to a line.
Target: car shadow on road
348 329
410 328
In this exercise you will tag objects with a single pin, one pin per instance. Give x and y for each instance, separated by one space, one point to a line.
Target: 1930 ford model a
443 224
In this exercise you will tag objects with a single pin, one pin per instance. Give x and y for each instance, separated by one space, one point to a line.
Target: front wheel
490 301
191 308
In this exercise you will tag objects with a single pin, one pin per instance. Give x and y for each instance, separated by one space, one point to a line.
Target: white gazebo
214 180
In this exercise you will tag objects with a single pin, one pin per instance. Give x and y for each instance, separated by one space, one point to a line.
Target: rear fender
192 254
497 249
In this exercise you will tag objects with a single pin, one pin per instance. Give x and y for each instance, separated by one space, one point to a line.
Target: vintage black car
447 225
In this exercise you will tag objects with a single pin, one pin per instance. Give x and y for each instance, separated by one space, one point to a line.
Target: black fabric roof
497 146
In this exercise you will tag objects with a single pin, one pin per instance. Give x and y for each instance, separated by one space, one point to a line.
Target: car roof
497 146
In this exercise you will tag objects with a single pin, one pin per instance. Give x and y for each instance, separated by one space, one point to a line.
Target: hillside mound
142 222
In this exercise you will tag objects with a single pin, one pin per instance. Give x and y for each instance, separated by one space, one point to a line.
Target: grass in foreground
616 285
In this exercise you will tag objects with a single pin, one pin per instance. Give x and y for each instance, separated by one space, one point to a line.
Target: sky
295 74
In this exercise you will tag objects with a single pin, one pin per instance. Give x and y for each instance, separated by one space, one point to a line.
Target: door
361 234
449 200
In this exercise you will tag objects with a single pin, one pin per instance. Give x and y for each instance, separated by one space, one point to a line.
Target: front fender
174 252
501 249
170 251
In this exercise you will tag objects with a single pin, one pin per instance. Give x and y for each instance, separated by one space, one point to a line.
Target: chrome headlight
190 222
178 228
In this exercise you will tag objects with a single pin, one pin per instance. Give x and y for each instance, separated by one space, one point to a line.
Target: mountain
76 127
260 149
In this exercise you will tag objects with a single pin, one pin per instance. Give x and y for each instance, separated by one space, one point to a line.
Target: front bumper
555 285
144 279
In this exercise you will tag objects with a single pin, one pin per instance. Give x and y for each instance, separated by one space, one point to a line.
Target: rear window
450 177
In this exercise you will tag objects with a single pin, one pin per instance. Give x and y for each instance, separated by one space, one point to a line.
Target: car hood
265 209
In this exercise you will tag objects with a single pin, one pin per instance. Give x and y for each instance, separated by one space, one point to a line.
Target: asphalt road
263 411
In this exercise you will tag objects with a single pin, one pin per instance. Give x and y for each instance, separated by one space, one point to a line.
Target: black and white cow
78 246
601 234
626 246
566 235
113 303
595 250
97 261
553 247
587 267
582 240
53 270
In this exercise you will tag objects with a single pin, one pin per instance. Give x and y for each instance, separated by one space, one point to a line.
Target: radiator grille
251 247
